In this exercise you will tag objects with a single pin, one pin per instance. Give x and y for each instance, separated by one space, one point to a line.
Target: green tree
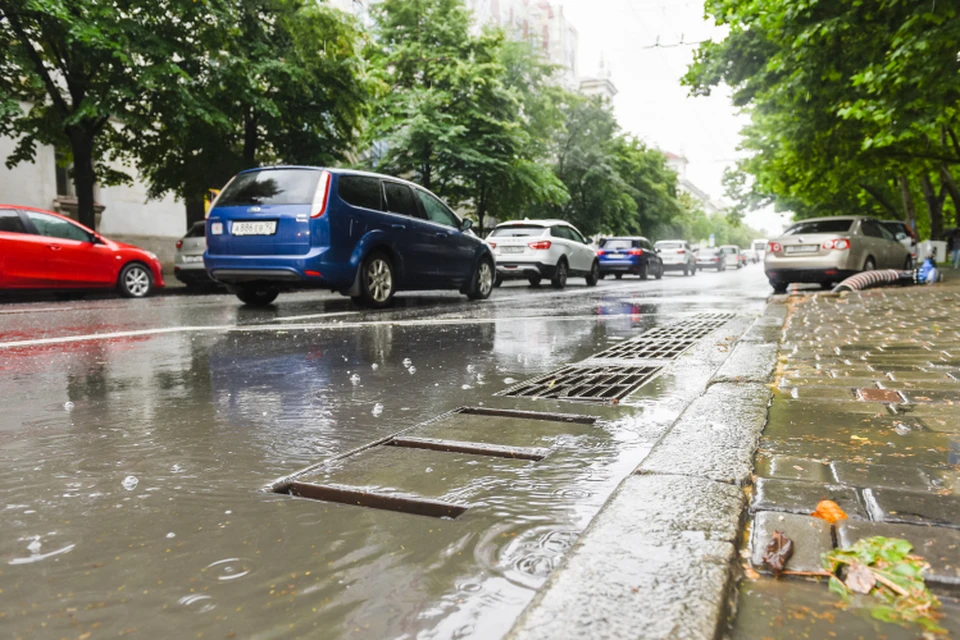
450 115
80 65
853 104
278 81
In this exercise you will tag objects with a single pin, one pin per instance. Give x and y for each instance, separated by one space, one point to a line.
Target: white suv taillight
321 196
540 245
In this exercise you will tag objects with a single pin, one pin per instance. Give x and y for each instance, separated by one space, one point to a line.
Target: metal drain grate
584 383
647 349
362 498
669 342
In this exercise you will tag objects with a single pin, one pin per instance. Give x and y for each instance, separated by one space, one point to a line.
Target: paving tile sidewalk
866 412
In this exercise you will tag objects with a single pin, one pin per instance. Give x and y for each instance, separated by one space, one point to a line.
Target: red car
44 250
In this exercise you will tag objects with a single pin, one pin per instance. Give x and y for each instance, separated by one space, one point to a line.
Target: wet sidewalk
866 412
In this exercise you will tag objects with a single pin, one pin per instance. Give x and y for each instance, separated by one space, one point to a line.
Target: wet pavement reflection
133 466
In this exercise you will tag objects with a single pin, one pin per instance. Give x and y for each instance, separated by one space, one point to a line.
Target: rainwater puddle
179 434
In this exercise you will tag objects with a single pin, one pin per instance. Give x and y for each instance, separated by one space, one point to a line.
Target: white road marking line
111 336
256 328
42 310
310 316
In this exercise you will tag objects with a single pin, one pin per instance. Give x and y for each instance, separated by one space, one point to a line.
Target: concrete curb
657 562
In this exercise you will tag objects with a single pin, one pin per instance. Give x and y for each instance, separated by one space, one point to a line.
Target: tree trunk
878 195
909 210
934 206
250 139
950 185
195 212
84 177
481 210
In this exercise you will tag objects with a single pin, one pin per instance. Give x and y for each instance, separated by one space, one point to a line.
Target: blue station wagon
362 234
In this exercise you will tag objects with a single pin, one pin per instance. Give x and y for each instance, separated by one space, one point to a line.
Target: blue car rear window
274 186
617 244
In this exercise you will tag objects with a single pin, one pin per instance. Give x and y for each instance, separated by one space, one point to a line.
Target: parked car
733 255
45 250
188 261
629 255
538 249
711 258
677 255
902 232
749 256
827 250
364 235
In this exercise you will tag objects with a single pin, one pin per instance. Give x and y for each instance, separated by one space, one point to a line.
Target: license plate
512 249
801 248
258 228
192 259
616 256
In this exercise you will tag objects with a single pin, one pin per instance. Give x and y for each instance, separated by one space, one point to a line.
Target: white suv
677 256
538 249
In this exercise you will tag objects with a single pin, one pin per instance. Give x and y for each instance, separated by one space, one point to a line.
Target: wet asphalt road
136 438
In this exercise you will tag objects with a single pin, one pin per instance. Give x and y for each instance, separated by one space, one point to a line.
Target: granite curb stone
655 563
716 436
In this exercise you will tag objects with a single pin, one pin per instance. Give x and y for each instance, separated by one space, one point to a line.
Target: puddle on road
202 422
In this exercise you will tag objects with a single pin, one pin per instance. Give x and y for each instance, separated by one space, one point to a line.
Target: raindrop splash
130 483
377 410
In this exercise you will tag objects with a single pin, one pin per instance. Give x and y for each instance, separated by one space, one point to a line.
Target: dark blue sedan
362 234
629 255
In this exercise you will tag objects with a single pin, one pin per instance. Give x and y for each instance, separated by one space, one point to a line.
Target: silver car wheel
137 281
485 278
379 279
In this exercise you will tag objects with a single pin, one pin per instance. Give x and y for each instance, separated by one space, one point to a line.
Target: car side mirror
95 238
901 236
466 224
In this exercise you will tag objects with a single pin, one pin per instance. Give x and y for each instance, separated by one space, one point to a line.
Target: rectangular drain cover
348 495
474 448
584 383
669 342
642 349
527 415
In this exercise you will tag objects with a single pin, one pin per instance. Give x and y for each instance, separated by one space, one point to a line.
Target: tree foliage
77 66
853 104
278 81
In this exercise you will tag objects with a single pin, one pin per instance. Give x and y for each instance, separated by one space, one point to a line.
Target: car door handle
54 247
399 227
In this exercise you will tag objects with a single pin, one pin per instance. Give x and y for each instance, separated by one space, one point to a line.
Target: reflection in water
204 421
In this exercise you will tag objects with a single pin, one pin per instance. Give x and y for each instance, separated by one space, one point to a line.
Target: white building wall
30 184
127 210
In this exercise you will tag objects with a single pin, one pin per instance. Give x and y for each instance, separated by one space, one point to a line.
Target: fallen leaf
859 578
750 573
830 511
778 552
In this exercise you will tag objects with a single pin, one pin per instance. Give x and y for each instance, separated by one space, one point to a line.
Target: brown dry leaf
830 511
859 578
778 552
750 573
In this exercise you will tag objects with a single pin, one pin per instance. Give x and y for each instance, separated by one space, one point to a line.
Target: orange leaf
830 511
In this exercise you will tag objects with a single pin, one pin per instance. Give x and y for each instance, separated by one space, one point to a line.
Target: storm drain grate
527 415
669 342
584 383
474 448
357 497
644 349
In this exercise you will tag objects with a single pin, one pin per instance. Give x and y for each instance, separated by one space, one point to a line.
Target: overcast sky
651 102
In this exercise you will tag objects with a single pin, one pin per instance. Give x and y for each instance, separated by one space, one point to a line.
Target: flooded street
138 441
